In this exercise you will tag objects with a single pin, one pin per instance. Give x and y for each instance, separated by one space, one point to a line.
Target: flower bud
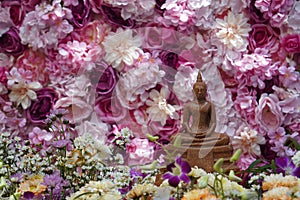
202 182
218 165
15 196
236 155
152 138
2 183
177 142
151 166
1 164
233 177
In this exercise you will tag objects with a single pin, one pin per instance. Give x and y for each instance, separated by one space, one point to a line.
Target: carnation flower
233 31
159 110
121 48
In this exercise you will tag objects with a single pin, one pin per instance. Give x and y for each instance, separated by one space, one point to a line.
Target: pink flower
143 153
38 136
109 109
78 109
268 113
291 43
10 42
248 140
81 13
263 36
16 10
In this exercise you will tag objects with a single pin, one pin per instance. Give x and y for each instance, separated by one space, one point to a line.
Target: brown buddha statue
201 145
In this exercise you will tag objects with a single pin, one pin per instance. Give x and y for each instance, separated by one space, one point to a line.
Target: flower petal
174 181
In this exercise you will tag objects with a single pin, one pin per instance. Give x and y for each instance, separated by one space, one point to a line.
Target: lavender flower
177 172
286 166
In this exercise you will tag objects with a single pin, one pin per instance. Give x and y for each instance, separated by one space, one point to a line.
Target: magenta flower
287 167
177 172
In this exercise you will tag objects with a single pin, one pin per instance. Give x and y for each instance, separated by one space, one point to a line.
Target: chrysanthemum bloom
278 180
233 31
121 48
197 194
33 184
177 172
141 190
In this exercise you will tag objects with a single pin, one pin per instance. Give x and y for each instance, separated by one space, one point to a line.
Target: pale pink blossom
183 84
46 25
78 108
245 161
233 31
121 48
159 109
268 113
131 88
23 93
39 136
248 140
5 20
143 154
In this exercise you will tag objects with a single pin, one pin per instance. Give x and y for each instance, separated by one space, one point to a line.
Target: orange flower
33 184
203 194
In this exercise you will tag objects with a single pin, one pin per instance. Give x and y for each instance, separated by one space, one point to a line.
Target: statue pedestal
204 151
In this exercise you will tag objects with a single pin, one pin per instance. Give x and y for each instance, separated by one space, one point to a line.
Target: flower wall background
113 71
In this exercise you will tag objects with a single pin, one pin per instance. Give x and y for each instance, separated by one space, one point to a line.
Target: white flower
121 47
159 109
22 93
233 31
296 159
249 141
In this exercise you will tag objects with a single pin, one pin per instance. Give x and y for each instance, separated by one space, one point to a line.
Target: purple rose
81 13
263 36
16 11
170 128
10 42
291 43
169 59
107 81
114 16
40 108
109 109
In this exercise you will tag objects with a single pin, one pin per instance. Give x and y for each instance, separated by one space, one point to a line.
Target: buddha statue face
200 90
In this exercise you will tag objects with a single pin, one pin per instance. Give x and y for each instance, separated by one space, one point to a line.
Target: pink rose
16 11
263 36
77 108
109 109
143 154
268 112
291 43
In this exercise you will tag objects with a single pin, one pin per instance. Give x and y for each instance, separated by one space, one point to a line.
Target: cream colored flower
278 180
159 110
22 93
233 31
141 190
33 184
296 159
197 194
282 193
95 190
121 47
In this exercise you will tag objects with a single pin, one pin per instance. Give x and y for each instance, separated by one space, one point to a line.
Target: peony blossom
268 112
233 31
121 48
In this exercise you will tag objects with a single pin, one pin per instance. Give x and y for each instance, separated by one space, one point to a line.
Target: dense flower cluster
90 81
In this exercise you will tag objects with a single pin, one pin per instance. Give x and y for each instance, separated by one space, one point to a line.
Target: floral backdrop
93 90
